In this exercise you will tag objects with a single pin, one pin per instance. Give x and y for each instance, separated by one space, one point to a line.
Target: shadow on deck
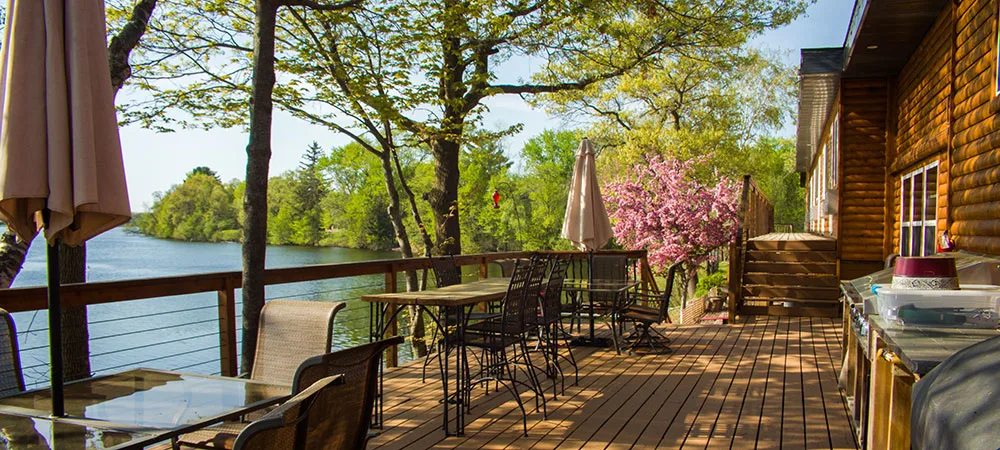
770 382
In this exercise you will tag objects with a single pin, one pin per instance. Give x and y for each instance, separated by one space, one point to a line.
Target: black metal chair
549 324
503 340
447 273
644 317
11 376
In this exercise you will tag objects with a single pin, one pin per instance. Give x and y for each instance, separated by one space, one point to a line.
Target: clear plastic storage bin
975 307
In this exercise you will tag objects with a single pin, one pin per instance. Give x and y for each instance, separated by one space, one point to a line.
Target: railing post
227 330
392 324
484 269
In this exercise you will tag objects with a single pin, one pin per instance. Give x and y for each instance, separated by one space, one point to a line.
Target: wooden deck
768 383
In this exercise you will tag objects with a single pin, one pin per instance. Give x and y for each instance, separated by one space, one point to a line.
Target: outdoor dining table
137 407
438 303
619 288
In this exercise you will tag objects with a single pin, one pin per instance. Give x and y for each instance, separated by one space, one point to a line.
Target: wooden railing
226 283
756 219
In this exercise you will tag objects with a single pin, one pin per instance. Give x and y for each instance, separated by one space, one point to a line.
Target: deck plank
769 382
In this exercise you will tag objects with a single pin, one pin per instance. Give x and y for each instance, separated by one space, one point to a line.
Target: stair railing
756 218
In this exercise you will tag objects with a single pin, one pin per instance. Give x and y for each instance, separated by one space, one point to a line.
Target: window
918 211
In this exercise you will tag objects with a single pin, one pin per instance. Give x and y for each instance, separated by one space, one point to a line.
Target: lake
181 332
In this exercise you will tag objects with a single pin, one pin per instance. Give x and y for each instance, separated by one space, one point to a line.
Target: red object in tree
496 199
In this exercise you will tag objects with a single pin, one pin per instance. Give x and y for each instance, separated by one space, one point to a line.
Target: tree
310 190
662 208
425 67
199 209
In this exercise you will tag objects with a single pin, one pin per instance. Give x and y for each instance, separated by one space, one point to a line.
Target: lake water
181 332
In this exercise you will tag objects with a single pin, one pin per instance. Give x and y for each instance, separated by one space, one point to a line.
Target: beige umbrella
60 155
586 222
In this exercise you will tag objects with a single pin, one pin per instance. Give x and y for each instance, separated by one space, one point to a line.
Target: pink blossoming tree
661 207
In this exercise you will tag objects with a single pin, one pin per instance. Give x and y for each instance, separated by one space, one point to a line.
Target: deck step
816 245
791 274
808 292
791 256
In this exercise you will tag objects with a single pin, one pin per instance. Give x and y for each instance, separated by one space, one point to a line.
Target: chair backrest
352 412
668 290
299 423
11 377
552 294
507 266
607 267
514 303
536 283
290 332
446 271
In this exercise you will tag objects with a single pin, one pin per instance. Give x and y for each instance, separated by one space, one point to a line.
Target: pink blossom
662 208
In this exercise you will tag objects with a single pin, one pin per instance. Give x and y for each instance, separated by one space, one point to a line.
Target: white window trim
925 221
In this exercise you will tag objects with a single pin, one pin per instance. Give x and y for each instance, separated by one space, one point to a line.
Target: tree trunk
13 250
691 285
258 161
417 343
75 336
443 197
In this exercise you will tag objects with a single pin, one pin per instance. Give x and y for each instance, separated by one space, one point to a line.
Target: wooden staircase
790 274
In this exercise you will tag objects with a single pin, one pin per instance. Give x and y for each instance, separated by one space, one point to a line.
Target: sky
156 161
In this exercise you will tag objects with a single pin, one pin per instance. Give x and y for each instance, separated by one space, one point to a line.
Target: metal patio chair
645 317
549 324
11 377
503 340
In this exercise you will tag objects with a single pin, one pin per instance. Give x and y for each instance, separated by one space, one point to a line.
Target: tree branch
313 4
126 40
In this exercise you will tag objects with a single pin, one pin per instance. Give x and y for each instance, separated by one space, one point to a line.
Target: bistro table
159 403
450 301
618 288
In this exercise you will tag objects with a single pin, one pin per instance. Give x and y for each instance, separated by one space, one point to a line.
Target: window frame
905 244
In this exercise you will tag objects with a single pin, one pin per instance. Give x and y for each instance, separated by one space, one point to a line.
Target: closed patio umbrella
60 156
586 222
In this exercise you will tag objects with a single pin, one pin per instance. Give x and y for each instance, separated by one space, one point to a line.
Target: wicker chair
359 367
11 377
305 421
290 332
644 317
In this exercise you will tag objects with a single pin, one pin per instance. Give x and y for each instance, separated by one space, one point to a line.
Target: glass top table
24 432
162 402
617 289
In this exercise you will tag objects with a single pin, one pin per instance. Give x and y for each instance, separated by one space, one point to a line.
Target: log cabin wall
974 194
922 114
862 174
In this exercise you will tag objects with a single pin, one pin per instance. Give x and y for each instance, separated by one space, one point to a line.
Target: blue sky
155 161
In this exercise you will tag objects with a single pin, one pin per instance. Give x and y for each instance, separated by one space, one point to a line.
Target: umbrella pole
55 326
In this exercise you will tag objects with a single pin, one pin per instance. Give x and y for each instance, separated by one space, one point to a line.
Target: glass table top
155 398
19 432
